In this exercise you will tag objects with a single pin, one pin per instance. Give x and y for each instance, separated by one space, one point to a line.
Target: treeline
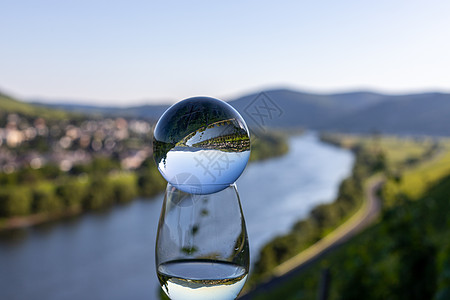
266 145
96 185
323 218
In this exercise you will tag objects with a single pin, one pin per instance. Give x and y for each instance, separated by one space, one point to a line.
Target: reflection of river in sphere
204 137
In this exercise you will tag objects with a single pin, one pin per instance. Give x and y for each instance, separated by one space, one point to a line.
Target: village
35 142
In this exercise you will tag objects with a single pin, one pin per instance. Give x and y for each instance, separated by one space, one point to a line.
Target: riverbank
397 152
296 265
49 201
321 221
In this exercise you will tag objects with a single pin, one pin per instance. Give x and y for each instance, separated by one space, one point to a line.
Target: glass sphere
201 145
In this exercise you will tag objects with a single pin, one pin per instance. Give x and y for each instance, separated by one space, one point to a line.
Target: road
367 214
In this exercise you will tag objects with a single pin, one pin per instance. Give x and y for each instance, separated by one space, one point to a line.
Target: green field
400 151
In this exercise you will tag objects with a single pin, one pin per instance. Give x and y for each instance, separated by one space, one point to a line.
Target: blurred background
348 104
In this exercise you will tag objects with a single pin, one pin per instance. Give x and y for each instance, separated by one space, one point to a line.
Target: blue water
111 255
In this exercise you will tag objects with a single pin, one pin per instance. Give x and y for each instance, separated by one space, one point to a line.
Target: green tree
443 291
124 191
71 193
150 181
99 194
15 202
45 200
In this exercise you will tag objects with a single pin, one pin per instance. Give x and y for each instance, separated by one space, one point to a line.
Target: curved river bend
111 255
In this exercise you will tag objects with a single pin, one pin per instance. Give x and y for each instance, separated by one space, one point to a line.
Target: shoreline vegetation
323 218
29 197
406 254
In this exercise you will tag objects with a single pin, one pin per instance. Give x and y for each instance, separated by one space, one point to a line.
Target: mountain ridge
353 111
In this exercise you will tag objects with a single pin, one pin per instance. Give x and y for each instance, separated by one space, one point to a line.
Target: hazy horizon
154 101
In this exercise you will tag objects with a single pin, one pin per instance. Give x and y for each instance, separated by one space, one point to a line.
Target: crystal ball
201 145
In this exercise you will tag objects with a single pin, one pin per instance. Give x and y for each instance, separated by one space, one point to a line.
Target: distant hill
152 112
304 109
423 114
360 111
142 111
296 108
11 105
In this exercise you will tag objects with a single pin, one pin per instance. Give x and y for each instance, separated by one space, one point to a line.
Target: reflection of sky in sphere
210 170
205 138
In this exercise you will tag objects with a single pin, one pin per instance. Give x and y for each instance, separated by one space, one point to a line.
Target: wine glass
202 246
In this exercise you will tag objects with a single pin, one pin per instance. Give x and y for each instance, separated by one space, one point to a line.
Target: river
110 255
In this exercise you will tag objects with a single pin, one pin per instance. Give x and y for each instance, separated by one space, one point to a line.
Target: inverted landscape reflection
201 145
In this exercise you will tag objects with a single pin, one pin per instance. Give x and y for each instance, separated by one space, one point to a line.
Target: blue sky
131 52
